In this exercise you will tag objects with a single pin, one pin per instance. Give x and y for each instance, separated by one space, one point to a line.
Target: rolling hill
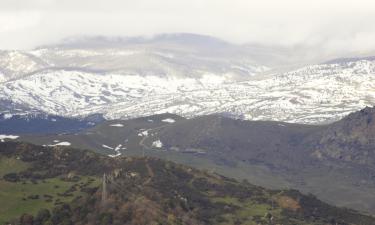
58 185
334 161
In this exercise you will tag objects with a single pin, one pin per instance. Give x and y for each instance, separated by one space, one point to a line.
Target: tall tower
104 189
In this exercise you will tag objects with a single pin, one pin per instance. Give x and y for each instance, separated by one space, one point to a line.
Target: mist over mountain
185 74
187 112
176 55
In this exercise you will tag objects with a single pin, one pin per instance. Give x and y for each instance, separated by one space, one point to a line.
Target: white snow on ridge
108 147
117 151
4 136
117 125
7 116
64 143
16 63
169 120
2 77
114 155
157 144
143 133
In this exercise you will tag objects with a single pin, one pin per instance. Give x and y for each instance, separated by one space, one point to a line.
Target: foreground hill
66 186
334 162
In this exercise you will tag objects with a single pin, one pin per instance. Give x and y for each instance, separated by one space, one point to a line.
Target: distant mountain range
334 161
180 55
245 111
184 74
58 185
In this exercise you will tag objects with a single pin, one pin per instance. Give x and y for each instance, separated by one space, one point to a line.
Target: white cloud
18 21
332 25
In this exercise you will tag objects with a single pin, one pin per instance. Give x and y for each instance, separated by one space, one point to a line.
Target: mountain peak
185 39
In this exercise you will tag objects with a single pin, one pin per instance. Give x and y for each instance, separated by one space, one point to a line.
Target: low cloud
331 26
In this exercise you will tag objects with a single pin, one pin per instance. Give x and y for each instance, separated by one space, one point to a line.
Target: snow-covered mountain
15 64
178 55
182 74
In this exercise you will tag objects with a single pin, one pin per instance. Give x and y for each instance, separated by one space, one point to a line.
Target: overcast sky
333 25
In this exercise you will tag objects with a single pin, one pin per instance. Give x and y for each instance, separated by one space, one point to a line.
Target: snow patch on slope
117 125
157 144
64 143
4 136
7 116
117 151
108 147
168 120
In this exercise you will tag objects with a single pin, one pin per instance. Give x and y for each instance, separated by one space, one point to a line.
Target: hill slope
314 159
351 139
40 123
145 191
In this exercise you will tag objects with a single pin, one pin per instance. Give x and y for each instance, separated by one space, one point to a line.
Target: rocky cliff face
351 139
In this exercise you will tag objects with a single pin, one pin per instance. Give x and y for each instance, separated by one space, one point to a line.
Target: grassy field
247 210
20 197
11 165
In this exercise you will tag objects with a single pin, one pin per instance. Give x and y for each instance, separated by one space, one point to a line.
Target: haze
333 27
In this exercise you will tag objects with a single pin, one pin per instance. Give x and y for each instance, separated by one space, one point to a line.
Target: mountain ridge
190 78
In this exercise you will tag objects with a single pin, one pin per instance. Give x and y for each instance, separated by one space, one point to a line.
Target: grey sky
331 25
